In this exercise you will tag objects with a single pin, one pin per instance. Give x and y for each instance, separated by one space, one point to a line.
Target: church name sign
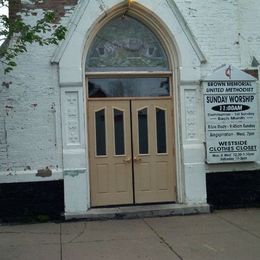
230 104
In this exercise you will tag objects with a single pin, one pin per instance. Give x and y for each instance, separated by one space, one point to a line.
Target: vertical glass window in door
100 125
143 131
161 130
119 132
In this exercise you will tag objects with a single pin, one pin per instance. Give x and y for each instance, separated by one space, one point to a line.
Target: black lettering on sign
241 98
230 108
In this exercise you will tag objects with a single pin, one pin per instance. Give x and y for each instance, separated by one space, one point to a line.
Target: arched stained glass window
125 44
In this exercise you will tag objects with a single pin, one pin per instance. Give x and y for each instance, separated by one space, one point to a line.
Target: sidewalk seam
61 249
79 234
238 227
163 240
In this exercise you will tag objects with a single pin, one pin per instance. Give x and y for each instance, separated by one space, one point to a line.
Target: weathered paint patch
74 173
6 84
44 172
59 7
101 4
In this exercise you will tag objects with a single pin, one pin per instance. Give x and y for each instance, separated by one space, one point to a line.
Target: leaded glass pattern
126 44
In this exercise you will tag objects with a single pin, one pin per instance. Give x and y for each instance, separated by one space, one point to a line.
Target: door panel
131 140
154 171
110 166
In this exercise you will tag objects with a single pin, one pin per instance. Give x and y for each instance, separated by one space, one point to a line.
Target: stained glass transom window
124 44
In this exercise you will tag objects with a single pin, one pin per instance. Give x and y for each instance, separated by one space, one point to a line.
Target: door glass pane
161 130
100 132
119 132
143 131
124 44
128 87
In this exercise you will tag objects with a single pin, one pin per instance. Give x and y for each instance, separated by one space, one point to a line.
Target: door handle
127 160
137 159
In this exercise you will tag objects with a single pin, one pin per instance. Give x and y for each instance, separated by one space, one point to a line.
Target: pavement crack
103 240
164 241
29 233
61 245
239 227
79 234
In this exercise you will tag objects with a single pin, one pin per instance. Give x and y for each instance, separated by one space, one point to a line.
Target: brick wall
249 28
58 6
14 7
228 31
30 127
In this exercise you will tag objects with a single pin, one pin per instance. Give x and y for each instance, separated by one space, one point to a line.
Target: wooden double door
131 151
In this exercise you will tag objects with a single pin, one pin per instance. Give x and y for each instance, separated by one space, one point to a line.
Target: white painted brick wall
227 31
29 139
30 126
249 17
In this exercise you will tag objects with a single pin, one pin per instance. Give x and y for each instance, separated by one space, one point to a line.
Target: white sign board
230 103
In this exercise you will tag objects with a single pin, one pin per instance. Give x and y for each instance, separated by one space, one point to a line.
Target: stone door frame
186 59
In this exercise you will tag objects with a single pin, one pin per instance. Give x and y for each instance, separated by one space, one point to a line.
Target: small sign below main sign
231 119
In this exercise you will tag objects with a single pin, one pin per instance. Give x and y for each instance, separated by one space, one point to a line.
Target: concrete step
142 211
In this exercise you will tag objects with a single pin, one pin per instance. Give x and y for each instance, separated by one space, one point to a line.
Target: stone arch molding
164 16
89 16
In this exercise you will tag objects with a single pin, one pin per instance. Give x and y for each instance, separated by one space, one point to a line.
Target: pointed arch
184 58
148 19
125 43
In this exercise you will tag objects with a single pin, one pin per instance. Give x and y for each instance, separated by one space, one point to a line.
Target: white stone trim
182 50
75 195
72 25
192 113
72 110
186 30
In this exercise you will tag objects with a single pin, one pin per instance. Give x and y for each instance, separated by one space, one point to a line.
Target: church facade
135 106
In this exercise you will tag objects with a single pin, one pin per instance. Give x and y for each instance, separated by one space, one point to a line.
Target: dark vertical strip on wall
31 201
15 6
233 189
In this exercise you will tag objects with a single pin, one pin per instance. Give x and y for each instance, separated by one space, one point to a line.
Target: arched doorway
130 116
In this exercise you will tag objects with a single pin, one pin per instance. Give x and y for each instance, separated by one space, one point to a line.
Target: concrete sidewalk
229 234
